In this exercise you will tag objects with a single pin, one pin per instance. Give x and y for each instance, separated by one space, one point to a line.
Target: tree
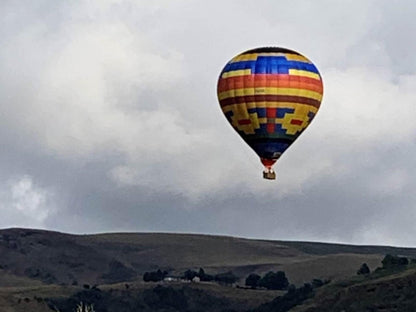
364 269
253 280
201 273
189 274
390 261
203 276
146 277
274 280
154 276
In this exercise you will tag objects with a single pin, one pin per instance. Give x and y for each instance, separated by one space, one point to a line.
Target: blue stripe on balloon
268 150
281 112
261 112
270 65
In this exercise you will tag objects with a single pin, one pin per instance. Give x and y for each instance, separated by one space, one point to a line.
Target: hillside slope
394 292
57 258
36 265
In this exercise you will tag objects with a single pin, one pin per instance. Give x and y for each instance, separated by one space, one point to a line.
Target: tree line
271 280
227 278
389 263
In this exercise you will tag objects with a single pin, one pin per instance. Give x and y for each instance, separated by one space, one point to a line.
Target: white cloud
24 204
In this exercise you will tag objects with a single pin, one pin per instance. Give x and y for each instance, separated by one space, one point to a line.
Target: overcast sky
109 120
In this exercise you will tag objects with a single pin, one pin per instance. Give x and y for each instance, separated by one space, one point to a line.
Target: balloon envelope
270 96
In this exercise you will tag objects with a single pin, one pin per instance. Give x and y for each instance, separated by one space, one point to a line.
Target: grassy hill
43 264
390 291
57 258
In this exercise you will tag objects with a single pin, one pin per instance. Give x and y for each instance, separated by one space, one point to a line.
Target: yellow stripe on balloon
254 120
235 73
245 57
297 57
254 56
304 73
270 91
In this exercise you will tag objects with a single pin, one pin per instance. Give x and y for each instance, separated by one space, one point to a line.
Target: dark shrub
364 269
154 276
274 280
253 280
390 261
203 276
189 275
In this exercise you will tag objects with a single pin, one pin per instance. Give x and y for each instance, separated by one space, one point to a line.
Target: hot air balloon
270 96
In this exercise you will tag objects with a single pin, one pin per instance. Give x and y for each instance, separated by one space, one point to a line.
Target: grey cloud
80 84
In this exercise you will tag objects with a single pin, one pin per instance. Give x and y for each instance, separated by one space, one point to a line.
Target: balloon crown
270 50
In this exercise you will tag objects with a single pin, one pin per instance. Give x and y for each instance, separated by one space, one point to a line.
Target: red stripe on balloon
270 80
296 122
244 121
270 98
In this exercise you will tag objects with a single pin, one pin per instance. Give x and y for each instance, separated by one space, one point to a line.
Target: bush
204 277
253 280
364 269
274 280
189 275
390 261
154 276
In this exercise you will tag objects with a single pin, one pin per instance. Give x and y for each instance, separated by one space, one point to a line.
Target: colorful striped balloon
270 96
